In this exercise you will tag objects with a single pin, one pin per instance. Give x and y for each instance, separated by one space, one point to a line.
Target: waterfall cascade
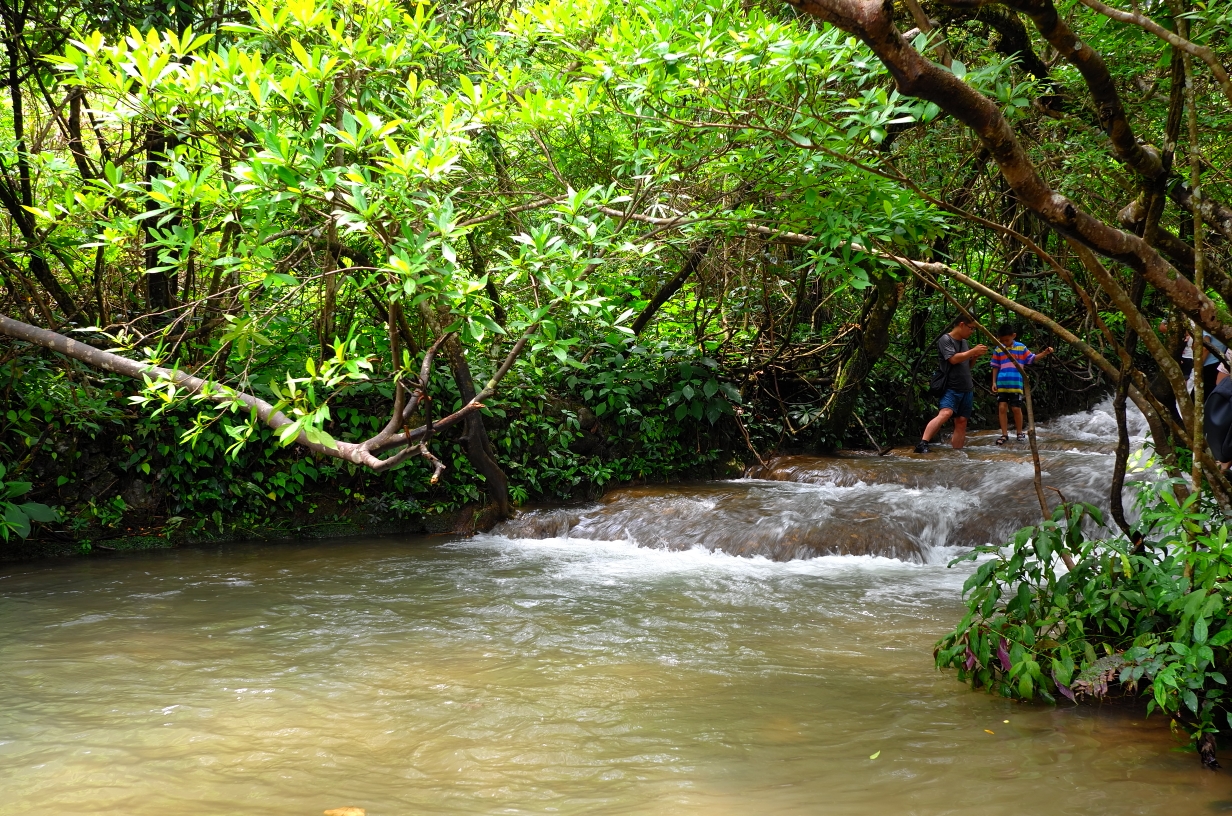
901 505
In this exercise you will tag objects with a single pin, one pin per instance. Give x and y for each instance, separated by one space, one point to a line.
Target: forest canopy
395 234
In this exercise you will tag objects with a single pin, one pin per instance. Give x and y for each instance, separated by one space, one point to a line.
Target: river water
523 674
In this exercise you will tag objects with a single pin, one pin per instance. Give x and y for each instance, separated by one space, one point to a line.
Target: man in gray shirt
956 356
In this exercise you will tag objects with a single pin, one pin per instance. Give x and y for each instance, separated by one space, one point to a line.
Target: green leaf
40 512
16 520
1222 637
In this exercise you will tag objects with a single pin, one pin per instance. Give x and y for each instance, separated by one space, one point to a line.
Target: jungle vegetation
379 258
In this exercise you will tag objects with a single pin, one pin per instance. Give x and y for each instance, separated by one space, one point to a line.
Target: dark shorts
1013 400
960 402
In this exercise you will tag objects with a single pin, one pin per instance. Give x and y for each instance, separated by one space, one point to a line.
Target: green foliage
203 484
1150 618
15 519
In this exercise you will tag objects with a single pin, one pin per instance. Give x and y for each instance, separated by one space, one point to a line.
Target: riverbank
125 480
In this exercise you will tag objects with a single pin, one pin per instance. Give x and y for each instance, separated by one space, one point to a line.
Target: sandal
1001 441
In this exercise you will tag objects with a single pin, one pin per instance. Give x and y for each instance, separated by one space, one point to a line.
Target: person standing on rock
1007 380
959 394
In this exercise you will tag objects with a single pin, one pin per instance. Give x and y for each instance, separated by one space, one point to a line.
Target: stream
759 646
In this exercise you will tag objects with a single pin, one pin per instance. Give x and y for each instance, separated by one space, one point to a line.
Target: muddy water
523 676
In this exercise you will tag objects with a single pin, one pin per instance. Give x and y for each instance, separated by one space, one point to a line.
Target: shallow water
522 676
501 676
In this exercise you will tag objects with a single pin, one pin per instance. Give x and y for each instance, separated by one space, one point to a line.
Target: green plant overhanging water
16 517
1145 617
650 415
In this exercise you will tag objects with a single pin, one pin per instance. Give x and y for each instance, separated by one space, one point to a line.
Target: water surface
502 676
531 673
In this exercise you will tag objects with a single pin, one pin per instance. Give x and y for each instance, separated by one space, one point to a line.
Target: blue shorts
960 402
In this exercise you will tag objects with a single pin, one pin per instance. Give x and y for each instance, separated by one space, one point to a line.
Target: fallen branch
367 453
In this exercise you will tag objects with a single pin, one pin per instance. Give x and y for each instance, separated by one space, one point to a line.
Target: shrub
1143 616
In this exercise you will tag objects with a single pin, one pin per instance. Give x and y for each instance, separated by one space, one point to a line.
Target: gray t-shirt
959 376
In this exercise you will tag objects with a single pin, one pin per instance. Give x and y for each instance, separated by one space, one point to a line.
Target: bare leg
1003 410
1018 419
960 433
937 421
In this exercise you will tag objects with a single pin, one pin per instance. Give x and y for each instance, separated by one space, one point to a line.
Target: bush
1145 617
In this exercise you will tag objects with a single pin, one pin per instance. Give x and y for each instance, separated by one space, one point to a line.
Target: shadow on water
902 505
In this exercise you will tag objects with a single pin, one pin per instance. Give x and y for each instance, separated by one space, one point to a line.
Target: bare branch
1147 24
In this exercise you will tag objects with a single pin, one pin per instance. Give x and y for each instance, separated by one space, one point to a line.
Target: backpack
936 386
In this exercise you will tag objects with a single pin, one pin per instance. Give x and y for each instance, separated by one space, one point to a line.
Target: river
558 667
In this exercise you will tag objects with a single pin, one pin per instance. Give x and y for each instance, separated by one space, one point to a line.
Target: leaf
874 756
1065 690
17 521
40 512
1199 630
1222 637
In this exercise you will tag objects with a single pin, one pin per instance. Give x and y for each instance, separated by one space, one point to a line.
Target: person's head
1006 333
964 326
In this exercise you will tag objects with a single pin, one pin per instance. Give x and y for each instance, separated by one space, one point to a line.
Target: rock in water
346 811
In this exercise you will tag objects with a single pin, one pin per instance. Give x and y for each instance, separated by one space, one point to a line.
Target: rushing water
516 675
903 506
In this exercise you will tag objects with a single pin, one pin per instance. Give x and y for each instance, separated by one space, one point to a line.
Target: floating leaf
874 756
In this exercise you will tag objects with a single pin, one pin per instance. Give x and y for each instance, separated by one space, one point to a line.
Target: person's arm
1037 357
969 354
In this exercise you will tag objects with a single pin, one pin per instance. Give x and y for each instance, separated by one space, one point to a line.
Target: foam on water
903 506
603 561
1098 424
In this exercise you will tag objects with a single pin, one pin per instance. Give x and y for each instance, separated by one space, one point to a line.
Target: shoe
1022 437
922 446
1001 441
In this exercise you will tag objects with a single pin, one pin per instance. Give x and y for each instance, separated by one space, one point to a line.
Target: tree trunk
160 287
696 255
478 446
873 341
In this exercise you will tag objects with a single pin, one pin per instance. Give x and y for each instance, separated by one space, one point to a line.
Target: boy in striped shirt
1007 378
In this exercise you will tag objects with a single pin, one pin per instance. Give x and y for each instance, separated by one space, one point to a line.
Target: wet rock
139 496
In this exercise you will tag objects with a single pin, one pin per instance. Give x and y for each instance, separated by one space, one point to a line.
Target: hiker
959 393
1217 421
1007 378
1208 361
